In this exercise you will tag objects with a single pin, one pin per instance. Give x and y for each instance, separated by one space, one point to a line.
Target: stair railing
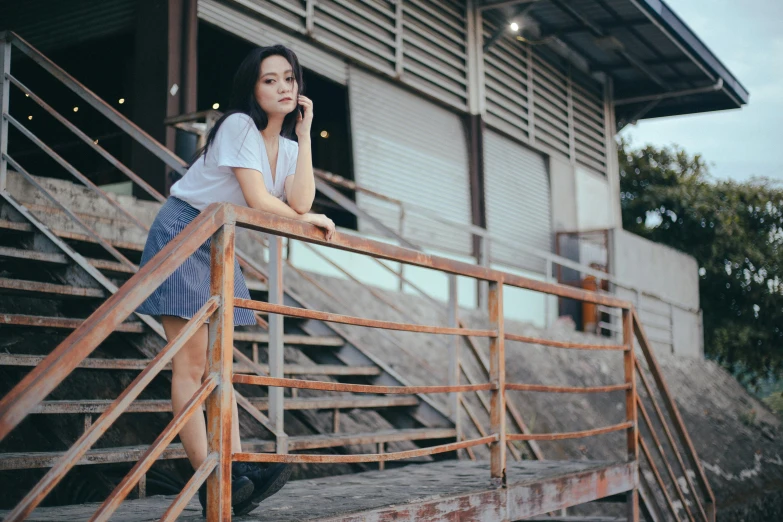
702 497
219 222
10 40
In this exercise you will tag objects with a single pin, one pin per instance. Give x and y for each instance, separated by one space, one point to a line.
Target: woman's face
276 89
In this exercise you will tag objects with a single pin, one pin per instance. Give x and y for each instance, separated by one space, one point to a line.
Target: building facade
467 116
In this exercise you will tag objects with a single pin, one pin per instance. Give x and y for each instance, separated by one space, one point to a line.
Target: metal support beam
671 94
486 6
219 366
5 70
632 497
596 30
276 399
398 43
475 37
454 349
497 375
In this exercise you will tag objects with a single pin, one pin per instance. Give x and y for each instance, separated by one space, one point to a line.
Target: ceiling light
514 26
324 134
76 109
121 101
216 106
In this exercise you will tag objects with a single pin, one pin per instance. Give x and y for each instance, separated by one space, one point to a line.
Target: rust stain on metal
305 313
359 388
368 457
562 344
571 434
567 389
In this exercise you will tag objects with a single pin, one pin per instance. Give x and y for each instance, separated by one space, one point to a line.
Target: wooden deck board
426 492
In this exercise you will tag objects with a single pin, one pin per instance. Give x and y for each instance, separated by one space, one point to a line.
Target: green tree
735 232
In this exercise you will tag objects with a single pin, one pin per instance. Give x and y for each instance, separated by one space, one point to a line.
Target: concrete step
7 226
35 257
38 289
65 323
21 286
10 461
8 359
164 406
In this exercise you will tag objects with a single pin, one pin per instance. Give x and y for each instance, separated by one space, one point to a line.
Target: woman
248 160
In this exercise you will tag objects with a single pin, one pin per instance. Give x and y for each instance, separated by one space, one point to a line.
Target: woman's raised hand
320 220
303 123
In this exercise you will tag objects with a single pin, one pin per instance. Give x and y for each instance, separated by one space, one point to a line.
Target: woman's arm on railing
258 197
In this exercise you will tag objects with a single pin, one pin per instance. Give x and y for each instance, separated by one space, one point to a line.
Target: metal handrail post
220 365
276 398
5 69
497 375
454 352
630 411
483 260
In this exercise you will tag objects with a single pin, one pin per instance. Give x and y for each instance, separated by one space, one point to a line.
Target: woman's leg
188 370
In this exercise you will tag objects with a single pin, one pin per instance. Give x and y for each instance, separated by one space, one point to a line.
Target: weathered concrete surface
420 493
666 272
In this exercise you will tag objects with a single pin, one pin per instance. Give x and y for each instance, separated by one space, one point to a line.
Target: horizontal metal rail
570 434
567 389
562 344
329 317
367 457
410 208
356 388
271 224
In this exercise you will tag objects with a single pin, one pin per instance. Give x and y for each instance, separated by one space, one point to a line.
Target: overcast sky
747 37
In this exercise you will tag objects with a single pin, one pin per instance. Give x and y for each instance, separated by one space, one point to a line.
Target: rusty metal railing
219 222
9 40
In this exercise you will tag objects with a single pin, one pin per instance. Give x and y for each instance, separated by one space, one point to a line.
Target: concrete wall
669 274
582 199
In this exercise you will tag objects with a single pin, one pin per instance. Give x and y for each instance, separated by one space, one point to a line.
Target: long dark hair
243 98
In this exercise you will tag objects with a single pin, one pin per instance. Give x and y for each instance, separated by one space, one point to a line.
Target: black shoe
266 482
241 492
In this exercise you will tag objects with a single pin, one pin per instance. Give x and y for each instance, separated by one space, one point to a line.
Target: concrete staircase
46 294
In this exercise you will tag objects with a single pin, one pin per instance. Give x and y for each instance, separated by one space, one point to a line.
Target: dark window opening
105 67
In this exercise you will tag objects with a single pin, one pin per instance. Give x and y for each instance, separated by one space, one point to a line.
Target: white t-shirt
237 144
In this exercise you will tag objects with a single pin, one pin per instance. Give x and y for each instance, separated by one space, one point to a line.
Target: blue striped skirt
187 289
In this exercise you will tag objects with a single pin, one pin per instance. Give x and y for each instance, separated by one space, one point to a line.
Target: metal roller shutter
410 149
517 201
